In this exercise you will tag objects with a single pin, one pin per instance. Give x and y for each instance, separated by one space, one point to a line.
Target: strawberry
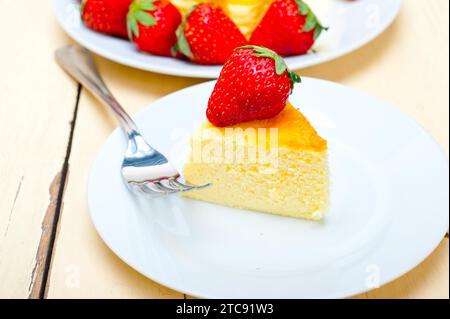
152 26
255 84
289 27
106 16
208 36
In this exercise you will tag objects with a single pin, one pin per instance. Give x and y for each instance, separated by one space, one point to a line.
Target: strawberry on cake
256 149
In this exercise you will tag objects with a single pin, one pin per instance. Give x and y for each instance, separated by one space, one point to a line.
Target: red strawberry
208 36
254 84
289 27
152 26
106 16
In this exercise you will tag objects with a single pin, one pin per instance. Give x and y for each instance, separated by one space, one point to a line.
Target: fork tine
136 187
187 188
172 183
146 190
152 188
157 188
160 187
141 162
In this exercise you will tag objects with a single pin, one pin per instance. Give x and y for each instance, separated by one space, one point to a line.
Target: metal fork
144 169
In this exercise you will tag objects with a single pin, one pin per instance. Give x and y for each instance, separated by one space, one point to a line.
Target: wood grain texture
36 106
83 267
406 66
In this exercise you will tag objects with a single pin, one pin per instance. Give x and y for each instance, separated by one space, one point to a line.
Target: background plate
352 24
389 206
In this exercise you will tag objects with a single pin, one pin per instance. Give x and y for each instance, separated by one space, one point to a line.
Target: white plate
389 206
352 24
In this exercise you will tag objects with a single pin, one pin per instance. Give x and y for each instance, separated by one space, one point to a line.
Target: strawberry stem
295 78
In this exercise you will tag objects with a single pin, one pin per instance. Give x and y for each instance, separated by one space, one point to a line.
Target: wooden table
51 130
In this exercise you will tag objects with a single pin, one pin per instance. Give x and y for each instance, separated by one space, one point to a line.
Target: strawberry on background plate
289 27
208 36
152 26
255 84
106 16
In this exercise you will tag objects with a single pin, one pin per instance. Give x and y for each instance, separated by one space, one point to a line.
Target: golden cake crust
294 130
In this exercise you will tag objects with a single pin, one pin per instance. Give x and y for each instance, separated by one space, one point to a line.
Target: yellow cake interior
245 13
278 166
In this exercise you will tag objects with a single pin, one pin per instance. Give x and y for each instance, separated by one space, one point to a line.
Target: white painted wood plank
36 106
407 66
83 267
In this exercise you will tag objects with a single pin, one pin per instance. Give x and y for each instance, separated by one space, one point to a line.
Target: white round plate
352 24
389 206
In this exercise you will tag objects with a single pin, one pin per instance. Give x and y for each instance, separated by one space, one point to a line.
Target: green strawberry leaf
280 64
83 4
182 44
145 18
318 31
294 77
132 28
303 8
190 10
312 23
146 5
139 13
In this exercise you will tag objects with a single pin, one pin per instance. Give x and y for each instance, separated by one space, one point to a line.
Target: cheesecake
246 14
276 165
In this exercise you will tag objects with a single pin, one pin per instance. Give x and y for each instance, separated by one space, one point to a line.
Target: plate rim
212 72
350 292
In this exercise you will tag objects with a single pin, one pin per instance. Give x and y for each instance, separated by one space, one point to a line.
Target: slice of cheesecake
278 165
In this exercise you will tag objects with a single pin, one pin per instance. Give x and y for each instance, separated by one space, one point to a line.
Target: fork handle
78 62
